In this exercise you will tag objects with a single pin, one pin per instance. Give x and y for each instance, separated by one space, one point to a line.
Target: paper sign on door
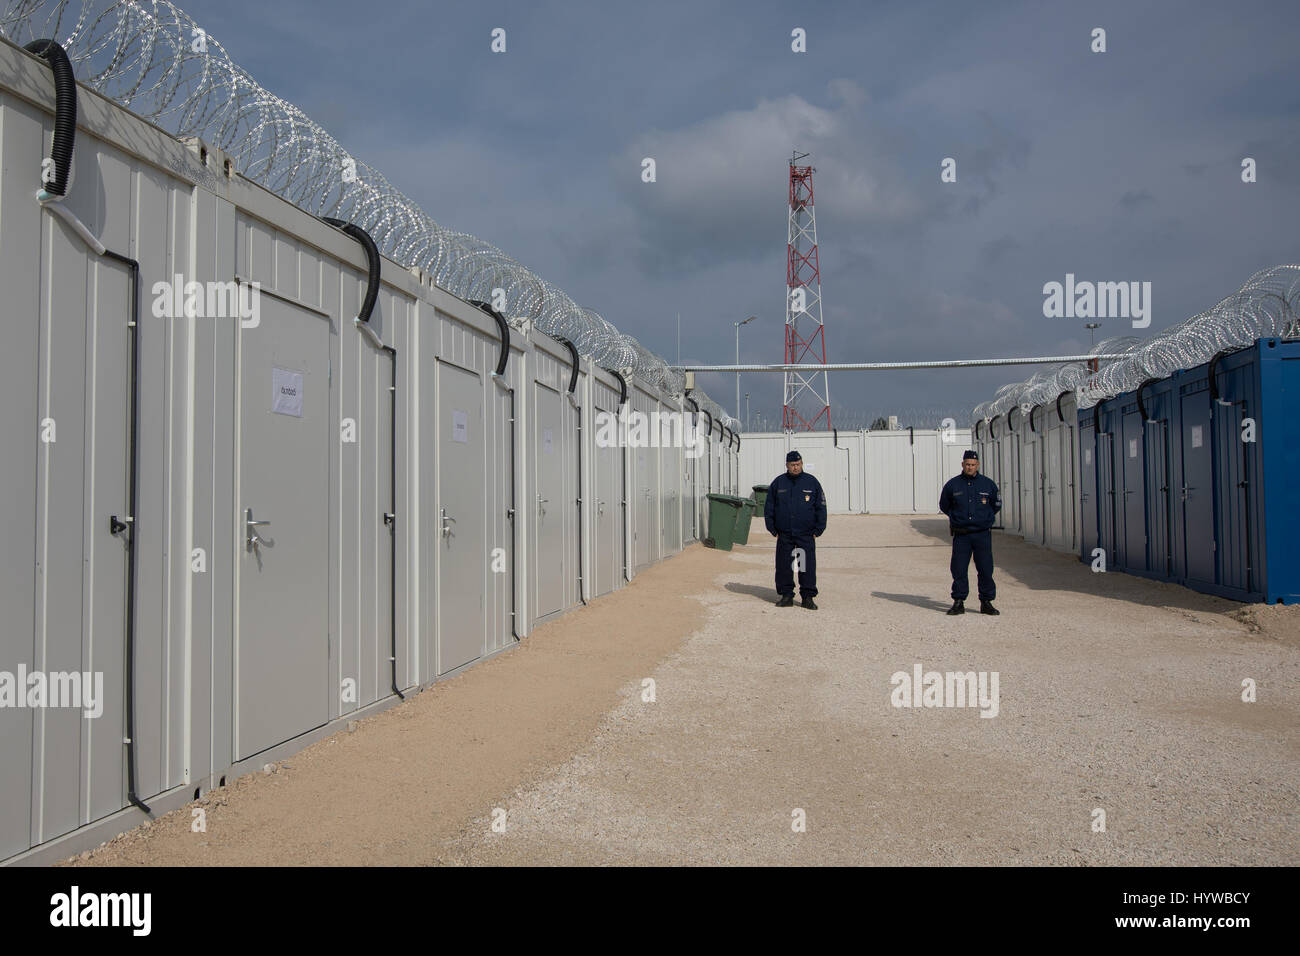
286 392
1196 436
1087 456
459 426
1132 447
547 439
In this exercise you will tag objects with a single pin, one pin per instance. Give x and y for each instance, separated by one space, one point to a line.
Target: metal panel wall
1173 486
898 472
356 482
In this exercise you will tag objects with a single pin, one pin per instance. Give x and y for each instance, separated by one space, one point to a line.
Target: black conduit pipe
1214 385
695 470
573 383
132 440
722 437
1031 418
1060 415
992 433
373 267
65 114
708 454
1142 408
622 454
503 356
65 134
503 329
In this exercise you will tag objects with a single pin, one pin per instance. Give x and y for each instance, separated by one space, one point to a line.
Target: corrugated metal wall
1168 482
392 555
862 472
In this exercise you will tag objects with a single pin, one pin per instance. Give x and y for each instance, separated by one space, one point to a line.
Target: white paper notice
459 426
1196 436
1132 447
286 392
547 440
1087 456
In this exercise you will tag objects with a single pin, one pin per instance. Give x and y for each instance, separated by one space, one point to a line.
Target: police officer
971 501
795 513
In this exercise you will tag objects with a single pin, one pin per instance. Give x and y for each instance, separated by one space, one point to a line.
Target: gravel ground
1115 693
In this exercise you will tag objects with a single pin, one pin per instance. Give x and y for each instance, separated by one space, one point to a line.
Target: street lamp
747 411
738 325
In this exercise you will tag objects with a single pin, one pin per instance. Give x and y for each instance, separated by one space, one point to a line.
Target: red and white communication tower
805 342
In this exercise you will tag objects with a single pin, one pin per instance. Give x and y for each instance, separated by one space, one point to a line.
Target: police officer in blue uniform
971 501
795 514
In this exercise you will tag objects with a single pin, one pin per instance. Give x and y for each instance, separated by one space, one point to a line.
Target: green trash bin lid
761 487
728 499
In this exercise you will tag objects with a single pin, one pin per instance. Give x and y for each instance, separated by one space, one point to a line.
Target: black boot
809 603
958 607
986 607
787 600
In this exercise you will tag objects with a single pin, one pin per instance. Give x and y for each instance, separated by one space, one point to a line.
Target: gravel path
1114 693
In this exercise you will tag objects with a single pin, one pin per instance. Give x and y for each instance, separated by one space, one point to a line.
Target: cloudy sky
1115 166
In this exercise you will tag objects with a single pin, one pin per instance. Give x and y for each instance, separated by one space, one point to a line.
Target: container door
1234 499
461 520
1158 497
606 522
1029 490
1088 492
1196 496
1106 497
548 507
645 502
282 645
1134 535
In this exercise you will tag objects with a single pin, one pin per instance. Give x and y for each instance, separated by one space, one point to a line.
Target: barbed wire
1264 307
152 58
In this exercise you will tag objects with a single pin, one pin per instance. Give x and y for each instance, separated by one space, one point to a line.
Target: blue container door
1159 545
1232 471
1106 494
1087 489
1197 492
1133 553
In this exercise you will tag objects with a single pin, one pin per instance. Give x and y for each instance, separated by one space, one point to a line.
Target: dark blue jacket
795 505
971 504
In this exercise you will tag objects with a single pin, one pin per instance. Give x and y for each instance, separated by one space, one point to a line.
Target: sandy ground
1115 693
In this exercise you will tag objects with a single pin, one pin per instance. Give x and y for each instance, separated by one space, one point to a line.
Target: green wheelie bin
760 497
743 517
722 521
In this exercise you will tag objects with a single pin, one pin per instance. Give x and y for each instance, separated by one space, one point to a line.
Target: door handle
252 539
447 522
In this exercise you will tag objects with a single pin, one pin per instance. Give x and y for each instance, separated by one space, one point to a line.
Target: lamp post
1092 328
738 325
747 411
